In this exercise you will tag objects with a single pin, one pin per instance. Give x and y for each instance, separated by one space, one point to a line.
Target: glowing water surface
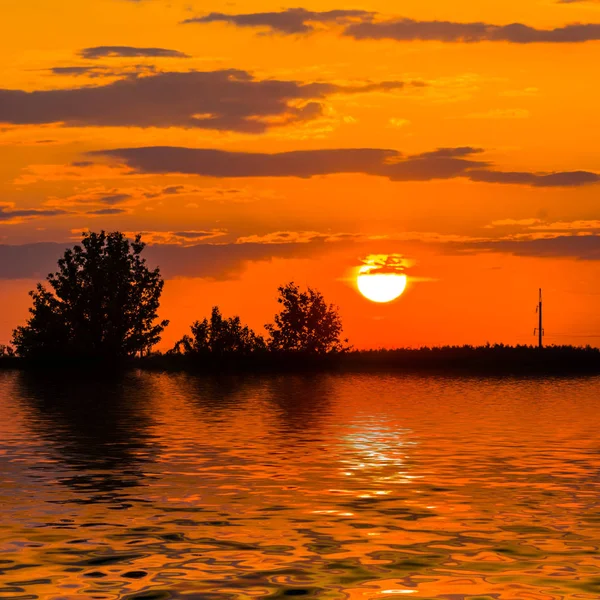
154 486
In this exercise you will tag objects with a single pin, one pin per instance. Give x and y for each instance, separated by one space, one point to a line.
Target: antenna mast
540 328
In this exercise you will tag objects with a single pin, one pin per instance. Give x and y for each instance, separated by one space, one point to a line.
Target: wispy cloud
181 238
9 214
406 30
97 71
129 52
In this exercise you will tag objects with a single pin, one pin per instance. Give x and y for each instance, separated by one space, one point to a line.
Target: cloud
363 25
405 30
299 237
129 52
11 215
96 71
213 261
379 264
560 179
443 163
181 238
226 100
84 170
440 164
106 211
580 226
513 223
290 21
582 247
182 256
101 197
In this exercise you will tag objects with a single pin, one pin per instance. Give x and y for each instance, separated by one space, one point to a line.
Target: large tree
306 323
219 337
102 302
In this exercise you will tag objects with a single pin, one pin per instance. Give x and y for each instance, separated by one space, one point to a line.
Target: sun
380 287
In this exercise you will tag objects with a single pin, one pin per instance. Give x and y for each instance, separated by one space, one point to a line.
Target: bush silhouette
102 303
219 337
306 323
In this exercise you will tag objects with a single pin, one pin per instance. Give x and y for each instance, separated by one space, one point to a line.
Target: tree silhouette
219 337
102 303
306 323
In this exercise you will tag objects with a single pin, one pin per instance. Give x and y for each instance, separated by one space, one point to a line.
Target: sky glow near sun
249 160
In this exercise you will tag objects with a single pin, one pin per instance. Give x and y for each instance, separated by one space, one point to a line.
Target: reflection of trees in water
97 424
302 402
217 397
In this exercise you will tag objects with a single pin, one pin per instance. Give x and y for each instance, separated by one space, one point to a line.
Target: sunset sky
254 143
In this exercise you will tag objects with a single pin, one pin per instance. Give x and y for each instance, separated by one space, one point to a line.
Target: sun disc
381 287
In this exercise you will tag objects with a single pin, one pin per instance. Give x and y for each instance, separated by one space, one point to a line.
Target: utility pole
540 328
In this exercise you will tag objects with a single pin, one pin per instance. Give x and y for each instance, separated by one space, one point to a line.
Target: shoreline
460 360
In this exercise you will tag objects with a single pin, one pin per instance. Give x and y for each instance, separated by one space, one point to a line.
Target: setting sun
381 287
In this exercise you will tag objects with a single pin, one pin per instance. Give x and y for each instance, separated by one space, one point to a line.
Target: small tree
306 323
103 302
219 337
6 351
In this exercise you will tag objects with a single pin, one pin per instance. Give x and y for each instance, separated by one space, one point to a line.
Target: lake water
155 486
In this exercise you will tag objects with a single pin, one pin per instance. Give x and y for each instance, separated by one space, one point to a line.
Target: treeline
101 307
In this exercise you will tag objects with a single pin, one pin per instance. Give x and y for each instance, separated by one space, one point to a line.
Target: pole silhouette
540 328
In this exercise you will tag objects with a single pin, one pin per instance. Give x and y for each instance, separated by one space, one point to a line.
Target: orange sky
509 205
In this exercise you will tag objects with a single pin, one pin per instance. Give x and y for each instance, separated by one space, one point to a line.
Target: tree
306 323
102 303
220 337
6 351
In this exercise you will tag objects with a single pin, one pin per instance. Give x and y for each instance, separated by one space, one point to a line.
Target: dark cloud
75 71
583 247
227 261
9 214
173 189
29 260
404 30
129 52
443 163
229 100
114 199
106 211
363 25
563 179
193 234
290 21
214 261
458 152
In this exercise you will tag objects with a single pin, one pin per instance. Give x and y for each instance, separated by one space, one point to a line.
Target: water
155 486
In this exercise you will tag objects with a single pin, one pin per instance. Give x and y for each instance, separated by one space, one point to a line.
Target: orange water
156 486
